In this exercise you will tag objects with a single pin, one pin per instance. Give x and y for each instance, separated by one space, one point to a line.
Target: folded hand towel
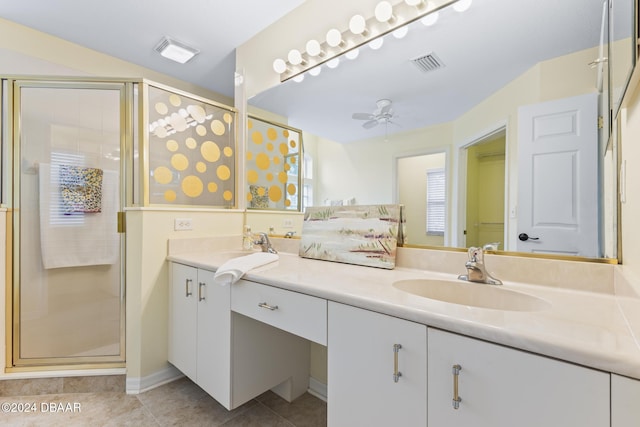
232 270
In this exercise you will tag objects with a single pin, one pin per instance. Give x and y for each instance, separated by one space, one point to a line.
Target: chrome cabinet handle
200 285
396 373
456 398
267 306
187 292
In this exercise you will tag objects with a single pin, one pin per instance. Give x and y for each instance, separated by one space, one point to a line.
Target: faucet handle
475 254
493 246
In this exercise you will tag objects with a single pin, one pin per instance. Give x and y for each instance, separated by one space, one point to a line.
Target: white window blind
436 202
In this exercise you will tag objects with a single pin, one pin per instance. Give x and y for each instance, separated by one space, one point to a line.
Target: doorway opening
485 191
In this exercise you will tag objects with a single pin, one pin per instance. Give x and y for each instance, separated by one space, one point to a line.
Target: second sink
471 294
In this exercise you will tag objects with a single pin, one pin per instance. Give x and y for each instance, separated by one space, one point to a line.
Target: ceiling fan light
358 25
383 11
462 5
430 19
279 66
334 38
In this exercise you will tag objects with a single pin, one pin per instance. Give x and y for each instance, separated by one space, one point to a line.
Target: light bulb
417 3
294 57
357 25
353 53
376 44
313 48
334 38
430 19
400 32
279 66
461 5
333 63
384 11
298 78
315 71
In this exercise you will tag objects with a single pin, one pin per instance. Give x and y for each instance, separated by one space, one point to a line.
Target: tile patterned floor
179 403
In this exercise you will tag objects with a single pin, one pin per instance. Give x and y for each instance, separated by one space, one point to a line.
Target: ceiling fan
382 114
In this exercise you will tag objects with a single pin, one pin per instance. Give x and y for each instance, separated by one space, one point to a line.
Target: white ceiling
482 49
130 30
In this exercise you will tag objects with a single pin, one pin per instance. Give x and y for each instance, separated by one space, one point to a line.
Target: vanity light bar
338 43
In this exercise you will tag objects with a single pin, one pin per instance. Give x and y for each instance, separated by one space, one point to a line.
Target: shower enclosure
66 201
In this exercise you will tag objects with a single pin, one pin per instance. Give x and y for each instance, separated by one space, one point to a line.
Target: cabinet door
182 318
214 342
499 386
625 396
362 390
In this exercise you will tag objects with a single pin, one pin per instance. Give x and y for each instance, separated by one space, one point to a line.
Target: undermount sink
472 294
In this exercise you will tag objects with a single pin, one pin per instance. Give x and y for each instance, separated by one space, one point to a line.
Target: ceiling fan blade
370 124
362 116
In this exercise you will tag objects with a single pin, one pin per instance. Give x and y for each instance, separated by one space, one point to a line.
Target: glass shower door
68 269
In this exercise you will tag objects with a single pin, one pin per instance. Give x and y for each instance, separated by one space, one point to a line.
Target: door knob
524 237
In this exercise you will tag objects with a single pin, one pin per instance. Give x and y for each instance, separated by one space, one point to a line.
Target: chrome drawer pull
267 306
456 398
200 285
396 373
187 292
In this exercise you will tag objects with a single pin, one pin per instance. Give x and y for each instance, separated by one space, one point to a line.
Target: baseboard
139 385
317 389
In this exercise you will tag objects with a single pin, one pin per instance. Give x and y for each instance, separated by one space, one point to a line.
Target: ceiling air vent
428 62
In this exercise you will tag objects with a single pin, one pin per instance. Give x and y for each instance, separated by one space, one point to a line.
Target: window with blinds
436 202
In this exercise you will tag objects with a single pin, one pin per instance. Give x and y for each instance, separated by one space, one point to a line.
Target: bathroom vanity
568 358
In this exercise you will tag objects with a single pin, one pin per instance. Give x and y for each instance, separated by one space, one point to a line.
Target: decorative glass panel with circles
273 165
191 151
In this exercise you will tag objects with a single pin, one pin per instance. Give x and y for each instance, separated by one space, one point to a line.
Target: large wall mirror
512 98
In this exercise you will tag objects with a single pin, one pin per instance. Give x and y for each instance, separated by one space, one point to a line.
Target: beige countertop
586 328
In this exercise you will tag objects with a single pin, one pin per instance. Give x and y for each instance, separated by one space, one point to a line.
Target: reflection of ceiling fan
382 115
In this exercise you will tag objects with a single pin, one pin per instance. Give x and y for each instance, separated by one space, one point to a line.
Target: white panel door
503 387
558 177
362 390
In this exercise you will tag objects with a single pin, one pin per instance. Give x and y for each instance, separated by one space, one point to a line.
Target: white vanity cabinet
200 329
377 369
236 355
625 402
499 386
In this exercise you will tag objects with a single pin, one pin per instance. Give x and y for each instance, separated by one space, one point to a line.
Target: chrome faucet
264 243
476 270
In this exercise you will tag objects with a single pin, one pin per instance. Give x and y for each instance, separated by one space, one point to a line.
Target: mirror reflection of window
307 181
412 173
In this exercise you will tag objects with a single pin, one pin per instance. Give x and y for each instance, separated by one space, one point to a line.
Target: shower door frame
13 361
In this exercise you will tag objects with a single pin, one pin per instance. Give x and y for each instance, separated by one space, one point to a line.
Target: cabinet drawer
299 314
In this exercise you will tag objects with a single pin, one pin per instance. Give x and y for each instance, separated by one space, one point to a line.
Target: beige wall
148 278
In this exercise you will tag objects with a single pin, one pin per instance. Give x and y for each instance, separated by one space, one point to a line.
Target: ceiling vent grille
428 62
